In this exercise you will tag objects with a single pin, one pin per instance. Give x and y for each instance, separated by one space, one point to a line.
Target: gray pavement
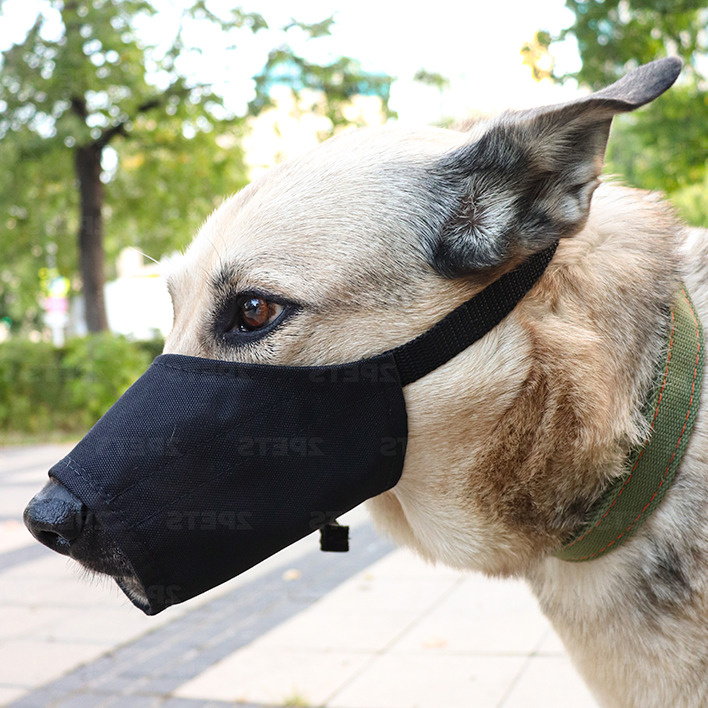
373 628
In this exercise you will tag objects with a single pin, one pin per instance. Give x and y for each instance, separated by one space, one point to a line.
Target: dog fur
379 233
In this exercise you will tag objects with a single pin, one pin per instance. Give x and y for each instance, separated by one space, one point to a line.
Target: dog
378 234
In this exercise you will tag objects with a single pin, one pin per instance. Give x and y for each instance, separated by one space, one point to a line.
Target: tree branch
152 103
120 128
78 105
109 133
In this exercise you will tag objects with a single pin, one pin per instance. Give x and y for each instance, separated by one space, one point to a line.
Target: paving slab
302 677
29 663
403 681
190 638
9 694
481 616
551 682
424 638
365 614
374 628
21 622
13 533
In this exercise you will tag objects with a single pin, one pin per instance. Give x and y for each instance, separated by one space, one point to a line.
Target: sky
476 46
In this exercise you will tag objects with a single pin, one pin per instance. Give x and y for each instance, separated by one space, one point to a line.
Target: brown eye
254 312
247 316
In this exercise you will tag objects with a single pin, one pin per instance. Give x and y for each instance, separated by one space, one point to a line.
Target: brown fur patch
543 468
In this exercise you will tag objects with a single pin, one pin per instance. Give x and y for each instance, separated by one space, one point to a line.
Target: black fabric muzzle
204 468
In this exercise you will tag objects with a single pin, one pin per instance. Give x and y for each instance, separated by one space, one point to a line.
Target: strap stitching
651 429
683 430
79 471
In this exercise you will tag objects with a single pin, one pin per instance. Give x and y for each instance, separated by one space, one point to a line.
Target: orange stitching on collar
678 442
651 428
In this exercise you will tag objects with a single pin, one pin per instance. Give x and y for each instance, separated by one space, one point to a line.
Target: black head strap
470 321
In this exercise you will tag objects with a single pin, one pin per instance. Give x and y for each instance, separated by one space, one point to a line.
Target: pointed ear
528 180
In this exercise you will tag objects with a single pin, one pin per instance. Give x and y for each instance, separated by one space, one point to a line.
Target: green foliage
83 77
37 212
87 84
96 370
431 78
615 35
338 83
692 203
30 386
149 347
168 183
44 389
665 145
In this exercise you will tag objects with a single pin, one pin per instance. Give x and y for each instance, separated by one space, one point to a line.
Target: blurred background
124 123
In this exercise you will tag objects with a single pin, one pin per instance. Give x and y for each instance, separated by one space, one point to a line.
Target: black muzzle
204 468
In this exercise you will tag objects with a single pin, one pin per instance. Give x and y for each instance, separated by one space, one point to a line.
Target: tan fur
511 441
645 646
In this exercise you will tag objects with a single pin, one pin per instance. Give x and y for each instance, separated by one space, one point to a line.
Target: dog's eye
247 316
254 312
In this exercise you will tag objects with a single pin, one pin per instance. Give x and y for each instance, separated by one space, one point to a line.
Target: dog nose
55 517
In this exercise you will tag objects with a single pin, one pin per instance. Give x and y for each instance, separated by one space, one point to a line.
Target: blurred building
137 302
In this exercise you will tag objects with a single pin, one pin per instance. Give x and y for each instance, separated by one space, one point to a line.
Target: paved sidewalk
374 628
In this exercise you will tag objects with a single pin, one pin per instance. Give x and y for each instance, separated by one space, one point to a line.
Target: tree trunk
88 173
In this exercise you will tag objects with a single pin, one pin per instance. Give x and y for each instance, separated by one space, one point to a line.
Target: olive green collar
651 467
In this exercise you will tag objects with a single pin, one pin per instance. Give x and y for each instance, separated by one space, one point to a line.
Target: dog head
370 239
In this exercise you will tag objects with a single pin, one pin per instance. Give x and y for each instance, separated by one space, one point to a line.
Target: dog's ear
528 180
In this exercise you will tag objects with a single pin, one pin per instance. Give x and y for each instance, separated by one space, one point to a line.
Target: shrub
44 389
30 386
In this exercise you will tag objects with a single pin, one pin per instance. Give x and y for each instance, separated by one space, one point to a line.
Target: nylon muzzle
204 468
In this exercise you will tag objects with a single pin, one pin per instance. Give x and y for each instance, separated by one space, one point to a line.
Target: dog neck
634 620
652 466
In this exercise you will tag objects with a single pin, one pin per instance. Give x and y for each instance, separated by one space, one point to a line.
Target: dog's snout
55 517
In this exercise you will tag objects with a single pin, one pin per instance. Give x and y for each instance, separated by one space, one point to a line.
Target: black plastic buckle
334 537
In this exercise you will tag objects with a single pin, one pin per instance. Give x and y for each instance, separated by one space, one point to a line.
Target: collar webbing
651 467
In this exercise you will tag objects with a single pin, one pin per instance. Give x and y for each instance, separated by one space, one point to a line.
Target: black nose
55 517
